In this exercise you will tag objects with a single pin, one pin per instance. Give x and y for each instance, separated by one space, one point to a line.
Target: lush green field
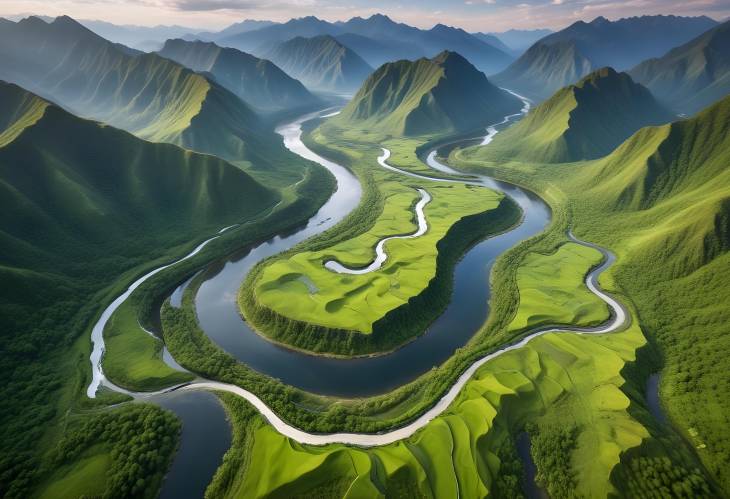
293 299
301 288
560 380
553 291
85 477
660 203
133 357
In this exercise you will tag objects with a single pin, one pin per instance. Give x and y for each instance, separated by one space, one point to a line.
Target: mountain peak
599 20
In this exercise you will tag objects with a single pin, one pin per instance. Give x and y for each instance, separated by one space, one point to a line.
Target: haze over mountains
389 40
321 63
582 121
445 94
692 76
258 82
145 94
567 55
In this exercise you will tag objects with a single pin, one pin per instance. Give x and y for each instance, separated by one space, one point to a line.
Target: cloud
208 5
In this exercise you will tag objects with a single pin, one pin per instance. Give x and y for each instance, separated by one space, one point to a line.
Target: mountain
519 40
68 181
258 82
445 94
567 55
494 42
582 121
483 55
321 63
677 175
148 95
241 27
692 76
380 38
138 37
376 52
262 40
543 69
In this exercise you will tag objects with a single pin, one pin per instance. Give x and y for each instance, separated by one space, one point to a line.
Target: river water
219 316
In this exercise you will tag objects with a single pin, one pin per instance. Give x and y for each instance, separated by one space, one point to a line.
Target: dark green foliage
551 450
508 484
84 206
141 440
244 421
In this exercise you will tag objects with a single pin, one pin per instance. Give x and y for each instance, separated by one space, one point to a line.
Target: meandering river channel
218 314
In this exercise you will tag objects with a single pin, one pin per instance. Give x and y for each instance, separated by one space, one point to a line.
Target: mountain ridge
582 121
445 94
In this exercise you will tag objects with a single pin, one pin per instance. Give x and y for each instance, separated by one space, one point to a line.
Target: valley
361 258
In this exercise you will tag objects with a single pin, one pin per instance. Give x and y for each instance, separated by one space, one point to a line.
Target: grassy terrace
552 289
469 448
301 288
295 300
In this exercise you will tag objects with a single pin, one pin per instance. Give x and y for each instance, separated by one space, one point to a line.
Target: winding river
468 310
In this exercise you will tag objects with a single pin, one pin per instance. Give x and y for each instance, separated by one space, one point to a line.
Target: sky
472 15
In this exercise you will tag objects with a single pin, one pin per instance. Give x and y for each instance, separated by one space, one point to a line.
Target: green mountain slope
692 76
74 181
661 203
146 94
582 121
85 205
321 63
21 109
258 82
445 94
566 56
544 68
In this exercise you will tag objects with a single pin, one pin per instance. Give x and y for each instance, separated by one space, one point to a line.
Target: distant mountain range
321 63
564 57
445 94
582 121
384 40
692 76
258 82
148 95
145 38
519 40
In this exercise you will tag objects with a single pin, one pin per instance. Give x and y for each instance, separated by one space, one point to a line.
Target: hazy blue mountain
376 52
520 40
138 37
261 40
566 56
389 40
445 94
692 76
494 42
258 82
321 63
